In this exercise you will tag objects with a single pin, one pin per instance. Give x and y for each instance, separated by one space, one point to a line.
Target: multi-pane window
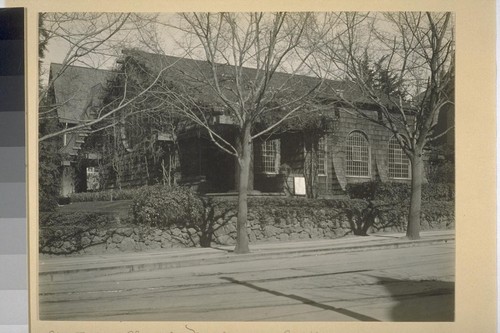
265 156
92 179
399 164
322 156
357 155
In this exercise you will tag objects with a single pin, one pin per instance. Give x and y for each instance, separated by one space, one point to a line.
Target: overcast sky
171 40
57 48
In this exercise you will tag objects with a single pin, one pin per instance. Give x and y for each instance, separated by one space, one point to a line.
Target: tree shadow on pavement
421 300
346 312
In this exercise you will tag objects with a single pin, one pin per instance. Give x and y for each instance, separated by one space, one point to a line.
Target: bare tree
243 58
403 63
92 40
84 36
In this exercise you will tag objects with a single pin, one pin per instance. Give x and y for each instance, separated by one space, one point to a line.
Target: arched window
399 163
357 155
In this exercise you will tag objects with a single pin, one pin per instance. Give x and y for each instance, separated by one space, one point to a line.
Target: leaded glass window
357 155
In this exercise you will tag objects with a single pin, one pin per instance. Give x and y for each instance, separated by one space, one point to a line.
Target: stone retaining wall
284 221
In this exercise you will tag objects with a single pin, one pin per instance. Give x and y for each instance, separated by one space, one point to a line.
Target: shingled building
317 161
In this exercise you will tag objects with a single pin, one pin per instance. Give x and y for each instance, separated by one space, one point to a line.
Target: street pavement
382 277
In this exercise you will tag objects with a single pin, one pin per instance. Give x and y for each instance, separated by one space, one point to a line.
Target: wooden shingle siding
336 179
206 168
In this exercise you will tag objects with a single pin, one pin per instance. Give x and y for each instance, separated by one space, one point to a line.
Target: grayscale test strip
13 245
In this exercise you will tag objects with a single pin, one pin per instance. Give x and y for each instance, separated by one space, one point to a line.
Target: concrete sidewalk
66 268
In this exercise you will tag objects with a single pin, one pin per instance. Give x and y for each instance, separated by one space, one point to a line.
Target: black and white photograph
246 166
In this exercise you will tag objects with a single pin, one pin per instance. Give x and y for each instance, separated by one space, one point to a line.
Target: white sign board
299 185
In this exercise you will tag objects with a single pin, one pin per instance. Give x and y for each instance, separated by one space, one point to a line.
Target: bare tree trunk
417 168
311 165
237 169
244 173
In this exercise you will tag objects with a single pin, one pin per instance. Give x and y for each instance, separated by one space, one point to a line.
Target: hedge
390 192
361 216
107 195
164 206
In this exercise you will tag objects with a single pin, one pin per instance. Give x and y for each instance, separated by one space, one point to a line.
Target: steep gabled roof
78 91
196 74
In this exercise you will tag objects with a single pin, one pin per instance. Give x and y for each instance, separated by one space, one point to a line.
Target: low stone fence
276 219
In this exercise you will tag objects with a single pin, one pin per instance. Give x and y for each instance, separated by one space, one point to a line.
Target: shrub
107 195
63 201
400 192
358 216
379 191
74 219
59 228
46 201
441 171
49 165
438 192
163 206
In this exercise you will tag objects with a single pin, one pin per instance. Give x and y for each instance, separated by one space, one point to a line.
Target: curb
228 257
